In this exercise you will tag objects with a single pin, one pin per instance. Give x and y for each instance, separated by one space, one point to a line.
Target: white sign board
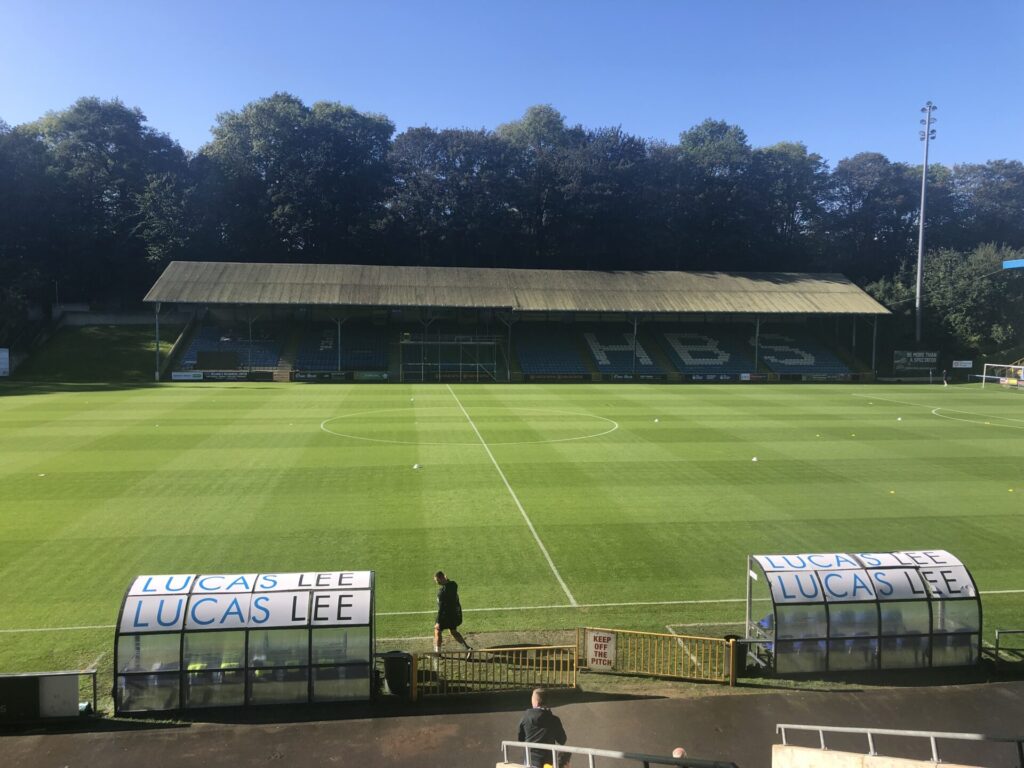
168 603
866 576
600 650
963 364
5 361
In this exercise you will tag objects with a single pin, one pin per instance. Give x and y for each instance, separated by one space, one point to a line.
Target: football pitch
553 506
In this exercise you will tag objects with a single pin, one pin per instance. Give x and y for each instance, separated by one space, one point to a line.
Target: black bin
398 672
739 656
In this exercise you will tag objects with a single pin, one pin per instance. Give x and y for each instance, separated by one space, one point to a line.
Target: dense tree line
94 202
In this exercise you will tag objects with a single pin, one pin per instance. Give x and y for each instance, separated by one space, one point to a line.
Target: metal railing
666 655
590 754
494 669
1000 632
932 736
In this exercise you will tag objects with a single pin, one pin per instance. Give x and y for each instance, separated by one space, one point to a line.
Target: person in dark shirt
542 726
449 611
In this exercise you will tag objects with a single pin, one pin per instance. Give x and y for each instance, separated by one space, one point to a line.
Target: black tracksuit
541 725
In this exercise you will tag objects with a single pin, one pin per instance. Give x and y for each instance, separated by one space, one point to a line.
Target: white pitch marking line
935 408
96 661
687 651
935 412
536 608
329 431
58 629
529 523
585 605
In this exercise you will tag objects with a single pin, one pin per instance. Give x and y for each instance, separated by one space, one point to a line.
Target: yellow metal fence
663 655
494 669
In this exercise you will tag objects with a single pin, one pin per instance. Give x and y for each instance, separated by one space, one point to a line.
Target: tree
720 231
102 159
969 302
790 185
990 202
870 225
600 179
538 142
296 182
450 199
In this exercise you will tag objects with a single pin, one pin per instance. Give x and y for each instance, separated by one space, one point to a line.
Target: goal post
1009 375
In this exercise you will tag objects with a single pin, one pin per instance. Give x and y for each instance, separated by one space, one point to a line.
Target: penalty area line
515 498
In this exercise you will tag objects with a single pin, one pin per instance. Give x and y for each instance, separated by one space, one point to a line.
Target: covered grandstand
382 323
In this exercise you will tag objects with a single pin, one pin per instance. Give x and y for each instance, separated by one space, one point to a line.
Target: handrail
590 754
781 728
495 669
1005 632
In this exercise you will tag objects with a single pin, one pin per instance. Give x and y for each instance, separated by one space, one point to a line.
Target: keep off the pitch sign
600 650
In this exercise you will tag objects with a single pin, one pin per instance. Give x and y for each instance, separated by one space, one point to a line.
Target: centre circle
394 425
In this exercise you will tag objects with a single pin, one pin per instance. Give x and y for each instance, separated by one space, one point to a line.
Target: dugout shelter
187 641
463 324
841 612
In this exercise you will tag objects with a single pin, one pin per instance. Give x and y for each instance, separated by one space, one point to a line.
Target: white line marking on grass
898 402
936 408
529 523
328 430
562 606
935 412
693 659
96 661
57 629
705 624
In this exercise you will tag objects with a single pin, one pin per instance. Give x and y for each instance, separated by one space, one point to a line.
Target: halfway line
529 523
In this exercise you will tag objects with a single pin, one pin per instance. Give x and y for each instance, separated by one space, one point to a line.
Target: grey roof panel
542 290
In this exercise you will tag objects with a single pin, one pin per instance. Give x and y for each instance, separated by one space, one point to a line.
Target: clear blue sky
843 76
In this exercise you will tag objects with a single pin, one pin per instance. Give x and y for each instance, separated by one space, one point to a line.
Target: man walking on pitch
449 611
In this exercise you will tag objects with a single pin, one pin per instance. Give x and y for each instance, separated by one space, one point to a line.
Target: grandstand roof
525 290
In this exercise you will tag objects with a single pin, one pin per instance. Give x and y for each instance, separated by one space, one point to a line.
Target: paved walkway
456 734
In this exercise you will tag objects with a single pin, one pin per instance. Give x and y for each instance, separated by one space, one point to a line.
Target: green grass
100 484
108 353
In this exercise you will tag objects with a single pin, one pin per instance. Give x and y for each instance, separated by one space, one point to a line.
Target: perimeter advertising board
5 361
905 360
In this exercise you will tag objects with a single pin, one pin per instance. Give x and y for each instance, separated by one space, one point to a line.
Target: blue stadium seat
707 349
612 350
547 348
263 352
363 348
794 349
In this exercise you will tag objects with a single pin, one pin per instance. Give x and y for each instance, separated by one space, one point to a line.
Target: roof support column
634 345
747 628
508 350
156 315
757 342
874 341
